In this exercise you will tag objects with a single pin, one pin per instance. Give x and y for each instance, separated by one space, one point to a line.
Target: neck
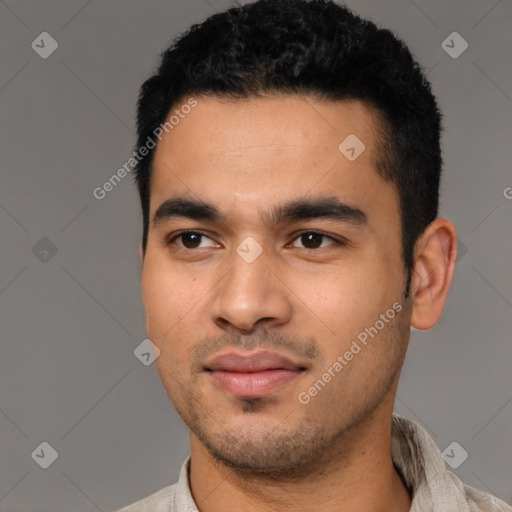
360 479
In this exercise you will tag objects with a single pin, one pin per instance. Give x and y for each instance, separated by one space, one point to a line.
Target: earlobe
434 264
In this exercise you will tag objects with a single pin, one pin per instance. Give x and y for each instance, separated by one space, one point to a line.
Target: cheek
346 300
166 296
168 304
173 299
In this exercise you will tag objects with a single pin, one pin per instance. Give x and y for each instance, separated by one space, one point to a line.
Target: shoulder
434 487
160 501
480 501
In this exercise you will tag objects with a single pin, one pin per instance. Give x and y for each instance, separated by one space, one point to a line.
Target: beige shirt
415 455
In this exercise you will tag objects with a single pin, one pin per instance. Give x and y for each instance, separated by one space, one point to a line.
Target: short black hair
318 48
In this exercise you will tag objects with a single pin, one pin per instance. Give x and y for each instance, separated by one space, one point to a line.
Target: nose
251 295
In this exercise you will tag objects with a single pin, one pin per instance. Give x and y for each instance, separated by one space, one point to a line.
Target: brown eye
314 239
190 240
311 240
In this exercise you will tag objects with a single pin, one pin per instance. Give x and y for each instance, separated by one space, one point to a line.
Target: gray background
69 325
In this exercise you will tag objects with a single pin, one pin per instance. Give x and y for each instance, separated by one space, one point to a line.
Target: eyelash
170 240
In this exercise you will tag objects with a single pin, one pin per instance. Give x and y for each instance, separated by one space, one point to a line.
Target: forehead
262 150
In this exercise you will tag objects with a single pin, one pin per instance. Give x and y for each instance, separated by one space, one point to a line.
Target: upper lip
251 362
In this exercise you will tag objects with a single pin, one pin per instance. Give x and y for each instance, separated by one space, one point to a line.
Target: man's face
301 284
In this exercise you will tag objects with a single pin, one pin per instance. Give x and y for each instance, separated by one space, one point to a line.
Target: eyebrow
330 208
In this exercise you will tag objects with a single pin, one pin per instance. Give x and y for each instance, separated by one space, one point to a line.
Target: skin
305 299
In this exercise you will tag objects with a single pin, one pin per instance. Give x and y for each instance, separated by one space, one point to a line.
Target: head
304 155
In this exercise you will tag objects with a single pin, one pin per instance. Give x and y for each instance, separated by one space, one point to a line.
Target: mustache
263 339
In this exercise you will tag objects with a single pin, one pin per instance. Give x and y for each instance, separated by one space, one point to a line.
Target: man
289 176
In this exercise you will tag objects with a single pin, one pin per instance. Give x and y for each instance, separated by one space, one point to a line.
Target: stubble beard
292 450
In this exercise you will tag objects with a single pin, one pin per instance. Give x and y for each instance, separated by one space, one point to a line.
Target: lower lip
253 384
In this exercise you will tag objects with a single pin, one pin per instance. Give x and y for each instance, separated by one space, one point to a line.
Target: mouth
252 375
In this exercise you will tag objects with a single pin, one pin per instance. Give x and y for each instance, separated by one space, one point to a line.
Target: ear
434 262
141 254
